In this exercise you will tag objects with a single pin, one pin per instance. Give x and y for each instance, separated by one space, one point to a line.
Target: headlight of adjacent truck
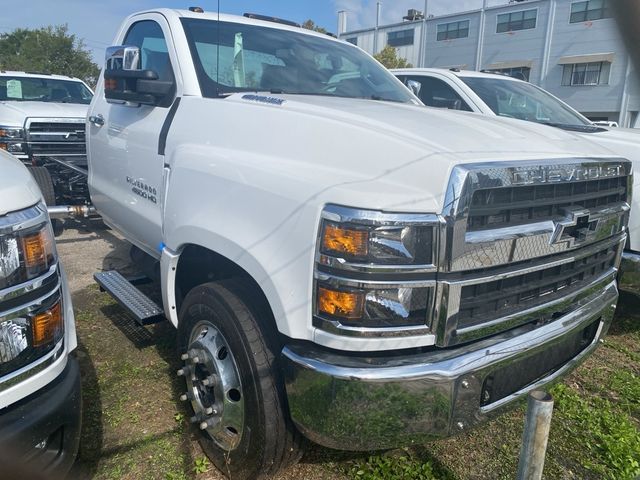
375 271
11 139
31 321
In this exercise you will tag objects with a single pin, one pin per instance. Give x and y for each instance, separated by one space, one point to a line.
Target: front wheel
233 383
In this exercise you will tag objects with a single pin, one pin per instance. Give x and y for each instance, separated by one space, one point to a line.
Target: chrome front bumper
629 279
355 402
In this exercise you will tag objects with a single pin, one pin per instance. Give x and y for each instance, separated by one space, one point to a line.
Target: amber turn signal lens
340 304
3 146
35 249
110 84
345 240
47 325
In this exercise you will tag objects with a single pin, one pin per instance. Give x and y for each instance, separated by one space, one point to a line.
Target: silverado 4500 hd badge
143 190
565 173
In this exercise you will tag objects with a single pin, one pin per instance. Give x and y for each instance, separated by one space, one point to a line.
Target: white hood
18 189
15 113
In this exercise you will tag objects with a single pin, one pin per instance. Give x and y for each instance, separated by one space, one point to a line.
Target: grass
134 427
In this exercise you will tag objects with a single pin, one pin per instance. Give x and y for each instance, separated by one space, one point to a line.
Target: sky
96 22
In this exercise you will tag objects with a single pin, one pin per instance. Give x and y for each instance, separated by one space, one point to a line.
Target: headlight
375 271
26 254
11 133
11 139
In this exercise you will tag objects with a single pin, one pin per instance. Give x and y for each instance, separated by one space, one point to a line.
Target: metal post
422 60
535 436
375 39
480 47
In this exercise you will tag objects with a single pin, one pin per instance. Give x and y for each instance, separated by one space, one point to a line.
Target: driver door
127 171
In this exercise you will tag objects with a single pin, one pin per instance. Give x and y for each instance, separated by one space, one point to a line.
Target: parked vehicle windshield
259 59
508 98
35 89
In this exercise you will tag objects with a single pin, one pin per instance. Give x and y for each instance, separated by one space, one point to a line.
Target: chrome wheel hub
213 386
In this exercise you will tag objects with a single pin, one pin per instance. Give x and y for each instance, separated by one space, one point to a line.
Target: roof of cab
453 73
12 73
224 17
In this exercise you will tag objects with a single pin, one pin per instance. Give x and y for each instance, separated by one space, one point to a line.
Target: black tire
43 179
269 441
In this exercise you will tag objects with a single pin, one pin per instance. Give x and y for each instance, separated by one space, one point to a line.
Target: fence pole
535 436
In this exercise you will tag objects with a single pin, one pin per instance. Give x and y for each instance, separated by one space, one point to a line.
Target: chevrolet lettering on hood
568 173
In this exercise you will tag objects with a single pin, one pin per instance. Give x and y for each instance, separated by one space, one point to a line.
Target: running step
142 308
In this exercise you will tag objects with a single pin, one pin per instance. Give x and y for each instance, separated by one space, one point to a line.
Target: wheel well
198 265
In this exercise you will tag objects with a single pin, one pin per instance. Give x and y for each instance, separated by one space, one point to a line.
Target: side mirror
122 57
414 86
127 84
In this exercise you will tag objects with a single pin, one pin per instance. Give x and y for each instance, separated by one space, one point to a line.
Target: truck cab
40 393
340 262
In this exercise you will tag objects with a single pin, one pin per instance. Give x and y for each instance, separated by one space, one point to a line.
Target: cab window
437 93
154 55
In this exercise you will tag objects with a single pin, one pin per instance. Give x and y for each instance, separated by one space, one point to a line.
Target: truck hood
361 153
15 113
443 131
18 189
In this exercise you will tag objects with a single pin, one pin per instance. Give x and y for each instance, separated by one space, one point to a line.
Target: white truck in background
500 95
42 122
339 261
40 393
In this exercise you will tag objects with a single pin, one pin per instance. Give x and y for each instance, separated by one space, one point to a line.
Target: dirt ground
136 428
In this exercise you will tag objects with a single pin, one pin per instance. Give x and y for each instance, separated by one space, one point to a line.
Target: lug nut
464 384
209 381
195 360
208 423
210 411
180 372
184 356
183 397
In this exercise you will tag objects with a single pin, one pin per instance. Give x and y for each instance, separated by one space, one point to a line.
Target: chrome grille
488 301
499 207
49 138
526 242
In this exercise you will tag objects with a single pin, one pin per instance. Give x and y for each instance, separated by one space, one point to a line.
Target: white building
570 48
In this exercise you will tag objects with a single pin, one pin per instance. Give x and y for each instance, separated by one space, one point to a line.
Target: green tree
48 49
389 58
311 25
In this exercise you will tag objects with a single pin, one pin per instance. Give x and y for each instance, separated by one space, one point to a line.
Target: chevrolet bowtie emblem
576 228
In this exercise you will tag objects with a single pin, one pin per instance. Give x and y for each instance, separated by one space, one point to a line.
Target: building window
594 73
523 20
400 38
353 40
590 10
450 31
521 73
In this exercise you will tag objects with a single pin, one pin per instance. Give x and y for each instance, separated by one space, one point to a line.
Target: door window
437 93
154 55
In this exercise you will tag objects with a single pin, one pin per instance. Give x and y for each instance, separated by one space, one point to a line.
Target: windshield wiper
575 128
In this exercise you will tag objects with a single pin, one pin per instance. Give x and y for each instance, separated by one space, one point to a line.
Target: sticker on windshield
14 89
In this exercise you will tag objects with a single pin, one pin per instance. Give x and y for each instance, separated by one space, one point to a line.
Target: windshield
508 98
32 89
253 59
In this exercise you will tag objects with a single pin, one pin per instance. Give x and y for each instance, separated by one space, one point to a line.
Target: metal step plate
142 308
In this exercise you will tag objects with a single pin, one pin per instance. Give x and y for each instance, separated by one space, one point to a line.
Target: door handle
97 120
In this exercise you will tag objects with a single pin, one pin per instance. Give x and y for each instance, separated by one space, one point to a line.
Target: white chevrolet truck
40 396
42 122
503 96
339 261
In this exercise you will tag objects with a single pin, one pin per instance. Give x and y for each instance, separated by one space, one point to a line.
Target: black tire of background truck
43 179
270 441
